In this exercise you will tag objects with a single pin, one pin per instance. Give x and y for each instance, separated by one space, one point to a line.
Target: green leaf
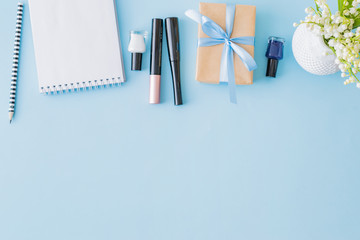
340 4
357 23
318 8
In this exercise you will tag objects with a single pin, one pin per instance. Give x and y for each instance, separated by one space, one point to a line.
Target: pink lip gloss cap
154 89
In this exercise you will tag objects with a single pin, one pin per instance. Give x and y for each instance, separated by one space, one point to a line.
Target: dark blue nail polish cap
274 53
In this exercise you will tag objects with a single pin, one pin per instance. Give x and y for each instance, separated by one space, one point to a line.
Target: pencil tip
11 115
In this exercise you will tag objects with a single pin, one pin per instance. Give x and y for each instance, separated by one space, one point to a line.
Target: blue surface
282 164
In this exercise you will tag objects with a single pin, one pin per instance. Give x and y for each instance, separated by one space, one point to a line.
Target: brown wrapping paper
209 58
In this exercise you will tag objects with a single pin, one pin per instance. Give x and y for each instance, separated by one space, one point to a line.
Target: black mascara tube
173 43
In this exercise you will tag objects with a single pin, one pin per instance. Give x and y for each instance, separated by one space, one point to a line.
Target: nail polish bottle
137 47
274 53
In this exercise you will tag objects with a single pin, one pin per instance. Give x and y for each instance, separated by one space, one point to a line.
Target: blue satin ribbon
219 36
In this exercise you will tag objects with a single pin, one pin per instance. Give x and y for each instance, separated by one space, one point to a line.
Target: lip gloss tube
155 60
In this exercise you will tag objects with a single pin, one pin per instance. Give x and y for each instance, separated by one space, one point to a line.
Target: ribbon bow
219 36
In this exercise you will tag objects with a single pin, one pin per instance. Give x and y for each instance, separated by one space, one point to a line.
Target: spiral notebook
77 44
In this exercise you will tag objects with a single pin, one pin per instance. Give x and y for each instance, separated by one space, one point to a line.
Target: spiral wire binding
81 86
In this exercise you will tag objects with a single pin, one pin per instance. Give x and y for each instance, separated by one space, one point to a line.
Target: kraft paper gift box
209 58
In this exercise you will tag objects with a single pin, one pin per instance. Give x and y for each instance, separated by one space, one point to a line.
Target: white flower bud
309 10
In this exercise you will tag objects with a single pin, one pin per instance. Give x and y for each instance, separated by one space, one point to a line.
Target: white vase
309 49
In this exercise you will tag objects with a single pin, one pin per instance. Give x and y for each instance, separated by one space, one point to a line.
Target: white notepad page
77 44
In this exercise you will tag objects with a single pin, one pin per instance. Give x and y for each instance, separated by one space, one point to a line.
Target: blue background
282 164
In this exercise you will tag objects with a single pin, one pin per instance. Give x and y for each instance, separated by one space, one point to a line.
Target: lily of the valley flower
341 33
